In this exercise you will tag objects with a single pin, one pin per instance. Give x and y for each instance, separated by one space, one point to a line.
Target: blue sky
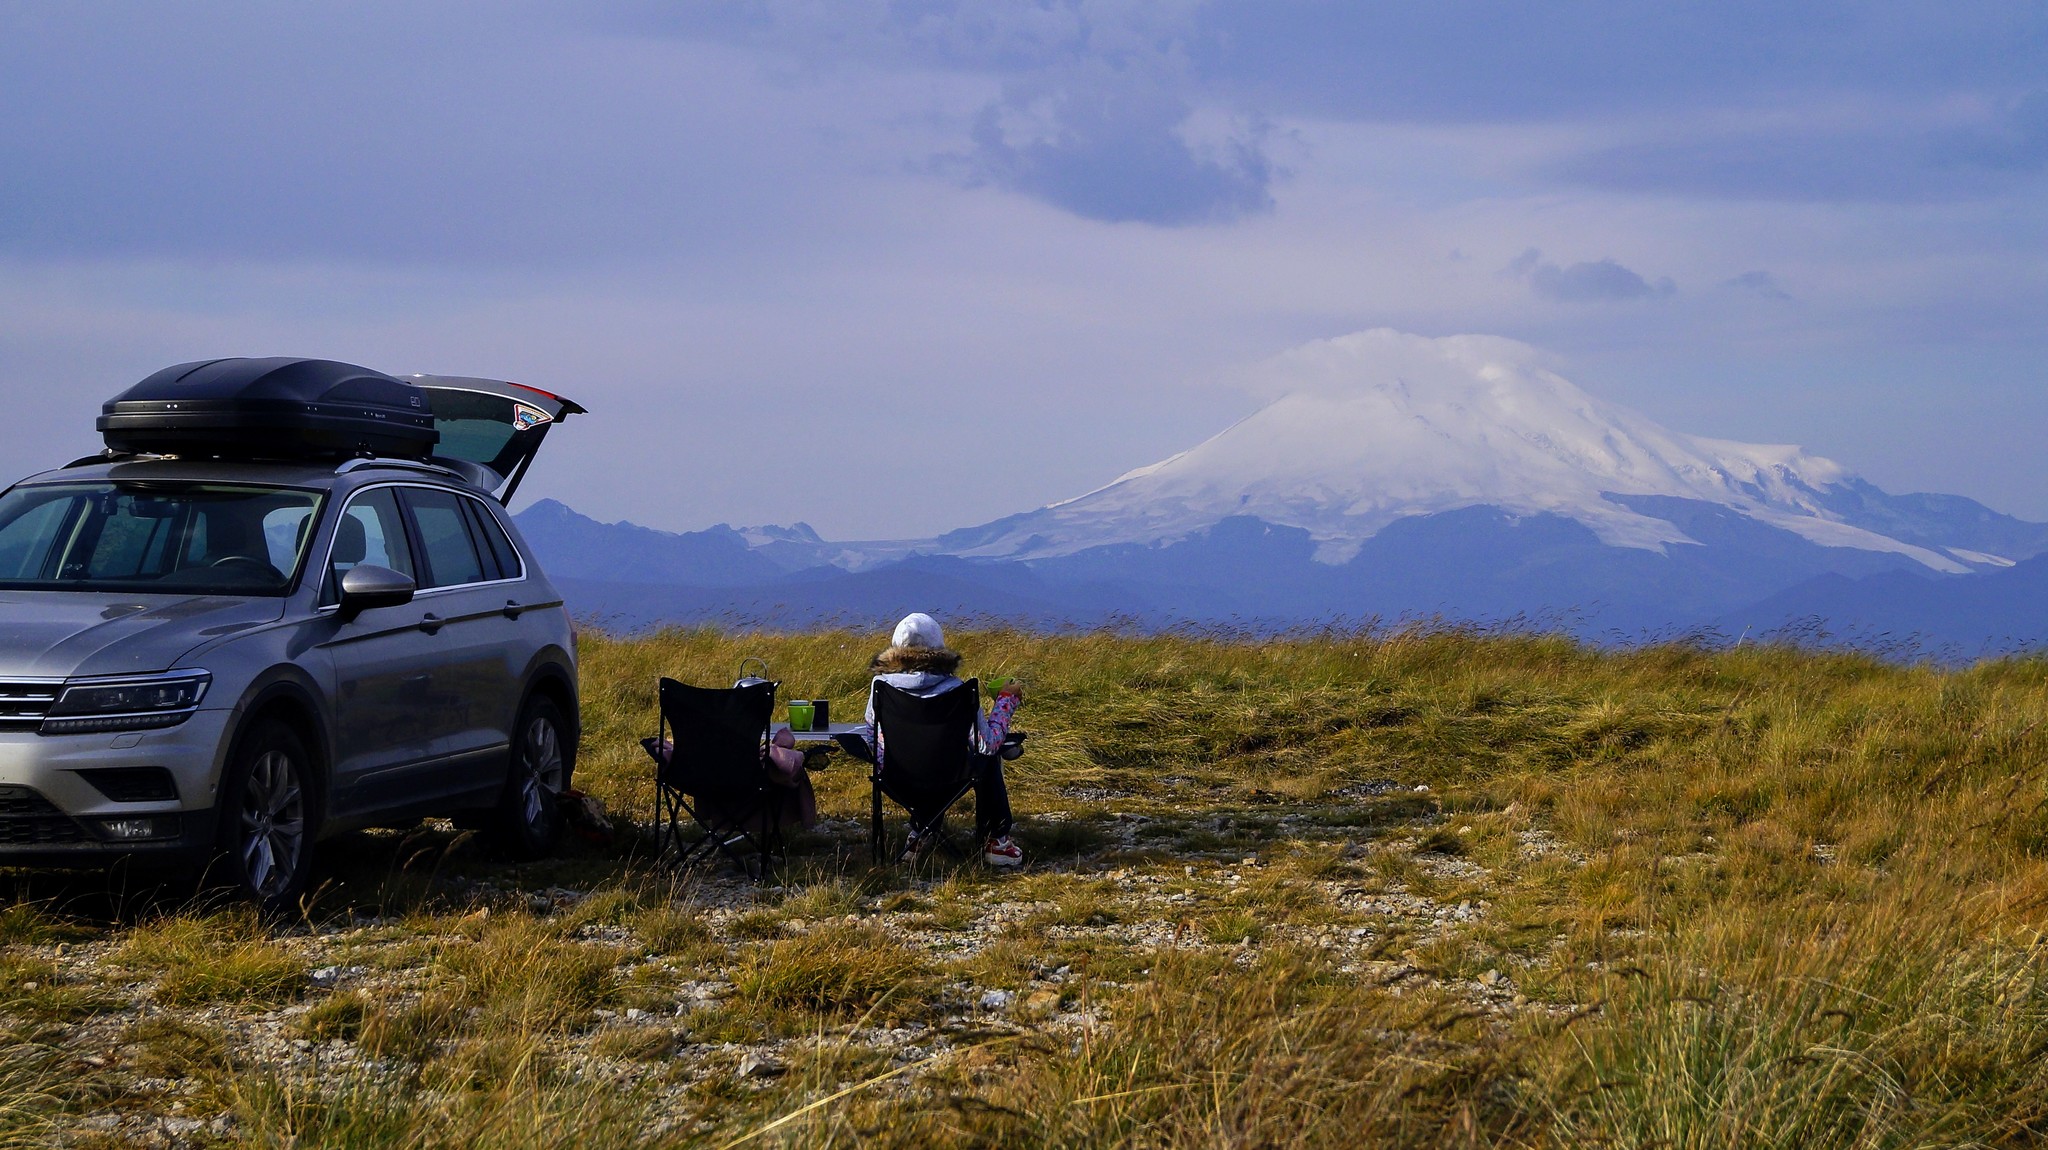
896 267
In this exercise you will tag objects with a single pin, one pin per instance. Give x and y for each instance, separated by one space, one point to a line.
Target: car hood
56 634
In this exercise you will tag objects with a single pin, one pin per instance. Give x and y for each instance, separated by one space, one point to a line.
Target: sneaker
915 844
1002 851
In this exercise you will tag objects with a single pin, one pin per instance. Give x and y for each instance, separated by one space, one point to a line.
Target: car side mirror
367 585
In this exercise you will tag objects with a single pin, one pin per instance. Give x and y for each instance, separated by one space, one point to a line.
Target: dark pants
991 799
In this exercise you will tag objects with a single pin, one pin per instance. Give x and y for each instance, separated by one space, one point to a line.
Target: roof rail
471 473
90 460
453 467
361 461
109 456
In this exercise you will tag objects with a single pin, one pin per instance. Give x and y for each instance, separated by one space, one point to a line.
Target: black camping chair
715 774
927 752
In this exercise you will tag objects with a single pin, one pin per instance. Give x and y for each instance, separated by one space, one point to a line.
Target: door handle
512 608
430 622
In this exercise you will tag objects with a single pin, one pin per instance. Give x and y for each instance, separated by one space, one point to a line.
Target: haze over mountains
1392 476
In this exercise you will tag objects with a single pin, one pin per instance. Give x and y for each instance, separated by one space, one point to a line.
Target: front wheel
528 819
267 817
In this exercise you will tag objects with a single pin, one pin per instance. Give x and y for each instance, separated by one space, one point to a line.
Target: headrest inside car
227 536
351 542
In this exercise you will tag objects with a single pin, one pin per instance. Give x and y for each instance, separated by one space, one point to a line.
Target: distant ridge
1996 613
1392 476
575 546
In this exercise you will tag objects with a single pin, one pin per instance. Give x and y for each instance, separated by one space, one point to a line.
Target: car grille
23 705
27 818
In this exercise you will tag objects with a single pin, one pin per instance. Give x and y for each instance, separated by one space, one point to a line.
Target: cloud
994 37
1098 116
389 134
1595 282
1361 362
1792 165
1896 153
1466 60
1760 283
1106 149
1121 150
1681 71
1448 60
2015 140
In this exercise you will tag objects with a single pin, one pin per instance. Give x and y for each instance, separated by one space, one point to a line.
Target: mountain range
1390 476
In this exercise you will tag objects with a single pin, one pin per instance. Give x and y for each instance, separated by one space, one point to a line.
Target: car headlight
129 704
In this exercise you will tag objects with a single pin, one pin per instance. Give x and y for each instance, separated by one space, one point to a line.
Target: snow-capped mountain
1390 476
1380 426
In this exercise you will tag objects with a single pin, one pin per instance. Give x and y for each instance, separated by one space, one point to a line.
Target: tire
268 818
527 822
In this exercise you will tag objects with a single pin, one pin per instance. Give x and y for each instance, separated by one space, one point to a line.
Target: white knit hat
918 630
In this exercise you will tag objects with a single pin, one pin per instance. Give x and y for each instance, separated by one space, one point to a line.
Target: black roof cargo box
279 408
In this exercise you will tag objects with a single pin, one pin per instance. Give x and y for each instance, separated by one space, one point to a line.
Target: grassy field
1411 889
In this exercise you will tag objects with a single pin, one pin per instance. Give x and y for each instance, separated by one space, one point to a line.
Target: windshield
170 538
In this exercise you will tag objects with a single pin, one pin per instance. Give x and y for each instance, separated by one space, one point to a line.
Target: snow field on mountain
1379 425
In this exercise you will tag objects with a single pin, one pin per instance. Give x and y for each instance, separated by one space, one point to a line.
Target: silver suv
223 655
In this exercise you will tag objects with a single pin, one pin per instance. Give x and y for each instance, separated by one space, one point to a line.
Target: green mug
800 716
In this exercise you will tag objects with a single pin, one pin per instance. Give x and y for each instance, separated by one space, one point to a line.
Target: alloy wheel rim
540 761
273 818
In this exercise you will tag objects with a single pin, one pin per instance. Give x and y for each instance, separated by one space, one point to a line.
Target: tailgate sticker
527 418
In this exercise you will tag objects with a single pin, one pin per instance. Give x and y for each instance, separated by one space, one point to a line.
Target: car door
382 663
463 591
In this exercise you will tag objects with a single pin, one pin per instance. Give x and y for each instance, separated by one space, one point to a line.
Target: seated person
919 662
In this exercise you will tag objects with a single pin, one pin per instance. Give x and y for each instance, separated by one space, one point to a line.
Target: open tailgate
491 425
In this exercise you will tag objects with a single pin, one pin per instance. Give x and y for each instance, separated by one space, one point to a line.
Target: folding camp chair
715 774
927 751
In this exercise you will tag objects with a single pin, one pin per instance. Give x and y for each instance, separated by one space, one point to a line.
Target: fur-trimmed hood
930 660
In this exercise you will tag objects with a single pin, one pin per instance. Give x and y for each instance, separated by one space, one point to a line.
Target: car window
27 540
450 553
493 568
371 531
492 423
130 546
284 534
181 538
494 539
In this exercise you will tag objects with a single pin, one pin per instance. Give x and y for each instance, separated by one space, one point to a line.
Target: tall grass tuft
224 957
832 970
1899 1027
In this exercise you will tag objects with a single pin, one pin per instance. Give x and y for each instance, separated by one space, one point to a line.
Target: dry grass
226 957
831 971
1399 889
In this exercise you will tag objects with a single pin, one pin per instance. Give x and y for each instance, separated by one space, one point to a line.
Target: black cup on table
821 714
